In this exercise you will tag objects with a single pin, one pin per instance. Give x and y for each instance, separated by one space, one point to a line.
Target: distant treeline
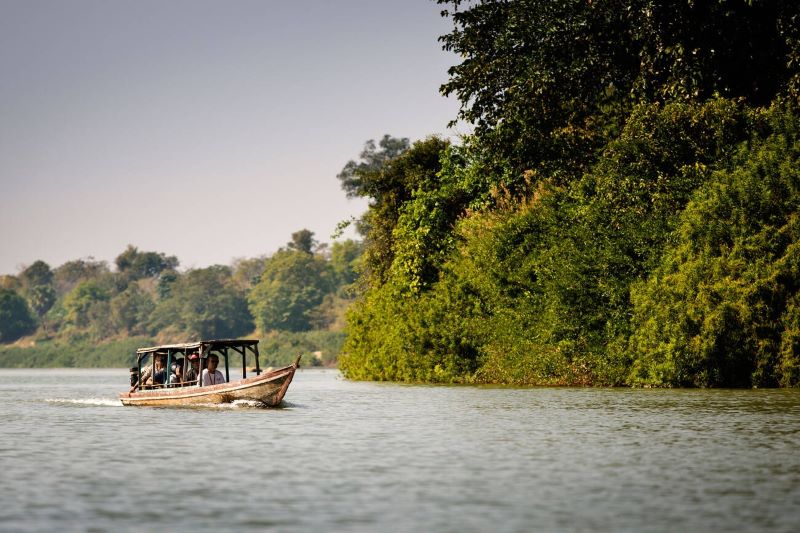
83 313
625 212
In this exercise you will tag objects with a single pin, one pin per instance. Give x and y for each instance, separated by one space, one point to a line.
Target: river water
344 456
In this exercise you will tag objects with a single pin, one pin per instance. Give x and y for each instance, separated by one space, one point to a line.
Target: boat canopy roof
202 346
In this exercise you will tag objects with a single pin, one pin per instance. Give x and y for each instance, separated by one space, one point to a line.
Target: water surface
344 456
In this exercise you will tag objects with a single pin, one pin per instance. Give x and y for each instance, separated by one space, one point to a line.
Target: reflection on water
344 456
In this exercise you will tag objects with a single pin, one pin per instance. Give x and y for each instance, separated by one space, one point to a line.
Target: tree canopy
15 317
292 284
137 265
623 213
548 82
294 297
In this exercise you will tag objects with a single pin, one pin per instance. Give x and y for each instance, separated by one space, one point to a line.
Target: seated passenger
160 374
176 377
194 369
212 376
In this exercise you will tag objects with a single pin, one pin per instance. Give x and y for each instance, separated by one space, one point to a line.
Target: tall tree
292 285
68 275
345 256
130 310
363 178
204 303
82 302
15 317
303 241
137 265
389 181
37 280
548 82
37 274
41 299
247 272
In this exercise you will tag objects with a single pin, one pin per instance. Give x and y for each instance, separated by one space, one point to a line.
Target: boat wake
236 404
105 402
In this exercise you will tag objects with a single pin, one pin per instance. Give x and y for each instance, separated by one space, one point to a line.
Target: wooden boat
267 388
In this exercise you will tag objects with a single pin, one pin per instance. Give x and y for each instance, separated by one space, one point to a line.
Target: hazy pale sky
208 130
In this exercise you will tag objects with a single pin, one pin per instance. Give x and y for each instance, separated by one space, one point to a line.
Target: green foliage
16 319
363 178
68 275
407 337
81 354
292 284
731 48
721 308
302 241
86 301
83 306
548 82
134 264
555 246
165 281
319 348
203 304
345 261
37 283
390 182
10 282
131 309
41 299
37 274
535 290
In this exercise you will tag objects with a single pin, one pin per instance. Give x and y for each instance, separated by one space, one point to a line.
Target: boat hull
268 388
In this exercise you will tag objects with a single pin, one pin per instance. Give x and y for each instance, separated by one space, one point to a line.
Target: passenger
176 377
160 374
194 369
212 376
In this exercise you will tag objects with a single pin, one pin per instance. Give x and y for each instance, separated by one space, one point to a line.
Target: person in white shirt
212 376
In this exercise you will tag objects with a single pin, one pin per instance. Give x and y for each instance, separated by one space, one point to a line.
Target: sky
208 130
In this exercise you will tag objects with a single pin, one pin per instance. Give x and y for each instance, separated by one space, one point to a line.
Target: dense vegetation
625 211
84 313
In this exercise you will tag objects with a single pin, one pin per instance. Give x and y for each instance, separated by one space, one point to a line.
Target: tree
68 275
82 300
303 241
292 285
204 303
37 274
363 178
548 82
247 272
165 281
37 280
345 257
136 265
721 308
389 182
41 299
8 281
15 317
130 310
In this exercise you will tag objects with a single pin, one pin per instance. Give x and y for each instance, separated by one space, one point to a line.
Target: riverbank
320 348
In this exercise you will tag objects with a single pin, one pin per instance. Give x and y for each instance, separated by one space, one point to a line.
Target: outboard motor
134 375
